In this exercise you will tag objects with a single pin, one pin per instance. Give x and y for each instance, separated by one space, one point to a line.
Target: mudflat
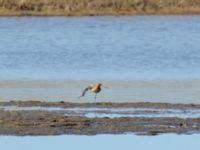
55 118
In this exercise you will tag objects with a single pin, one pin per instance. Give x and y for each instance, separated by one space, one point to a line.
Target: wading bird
96 88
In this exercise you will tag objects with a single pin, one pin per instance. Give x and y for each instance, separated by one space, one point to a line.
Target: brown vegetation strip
97 7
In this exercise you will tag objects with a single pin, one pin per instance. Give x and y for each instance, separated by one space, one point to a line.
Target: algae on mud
55 122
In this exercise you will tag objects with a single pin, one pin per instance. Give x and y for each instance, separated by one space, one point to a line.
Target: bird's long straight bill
105 87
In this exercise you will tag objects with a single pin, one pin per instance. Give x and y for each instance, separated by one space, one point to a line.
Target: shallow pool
100 142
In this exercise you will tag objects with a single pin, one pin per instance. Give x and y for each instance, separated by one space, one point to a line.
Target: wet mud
19 121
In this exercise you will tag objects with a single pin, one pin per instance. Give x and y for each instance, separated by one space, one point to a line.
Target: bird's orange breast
96 88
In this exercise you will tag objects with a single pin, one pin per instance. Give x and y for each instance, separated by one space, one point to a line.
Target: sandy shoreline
21 121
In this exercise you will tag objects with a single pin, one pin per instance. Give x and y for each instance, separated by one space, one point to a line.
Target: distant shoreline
98 7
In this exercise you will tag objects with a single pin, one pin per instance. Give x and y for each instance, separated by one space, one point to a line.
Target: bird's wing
85 90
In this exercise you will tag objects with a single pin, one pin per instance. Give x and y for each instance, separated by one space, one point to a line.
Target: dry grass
97 7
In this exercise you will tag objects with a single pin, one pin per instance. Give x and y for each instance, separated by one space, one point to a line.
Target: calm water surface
99 142
141 58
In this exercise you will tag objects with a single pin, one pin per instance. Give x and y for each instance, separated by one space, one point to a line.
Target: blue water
141 58
99 142
139 47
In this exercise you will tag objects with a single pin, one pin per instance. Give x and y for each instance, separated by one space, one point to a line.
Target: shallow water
99 142
171 91
144 55
94 112
143 47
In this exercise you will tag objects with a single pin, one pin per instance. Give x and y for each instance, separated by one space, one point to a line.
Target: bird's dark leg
95 97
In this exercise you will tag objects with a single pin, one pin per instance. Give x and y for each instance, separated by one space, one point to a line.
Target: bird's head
99 84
